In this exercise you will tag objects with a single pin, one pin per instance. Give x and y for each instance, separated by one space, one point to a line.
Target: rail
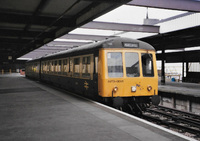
180 121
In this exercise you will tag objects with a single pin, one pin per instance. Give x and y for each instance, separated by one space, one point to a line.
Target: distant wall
13 66
193 77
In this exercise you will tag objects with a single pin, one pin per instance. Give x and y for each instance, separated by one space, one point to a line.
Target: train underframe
132 105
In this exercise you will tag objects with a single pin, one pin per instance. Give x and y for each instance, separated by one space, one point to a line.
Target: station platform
181 96
30 110
189 89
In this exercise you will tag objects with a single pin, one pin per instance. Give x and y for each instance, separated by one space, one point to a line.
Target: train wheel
134 109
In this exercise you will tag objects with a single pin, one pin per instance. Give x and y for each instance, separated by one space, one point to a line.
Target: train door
95 73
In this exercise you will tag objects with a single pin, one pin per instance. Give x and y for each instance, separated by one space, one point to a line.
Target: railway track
180 121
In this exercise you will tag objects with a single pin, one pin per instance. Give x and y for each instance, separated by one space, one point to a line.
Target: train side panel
75 73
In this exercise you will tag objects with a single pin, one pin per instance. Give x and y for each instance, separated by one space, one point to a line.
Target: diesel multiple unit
118 71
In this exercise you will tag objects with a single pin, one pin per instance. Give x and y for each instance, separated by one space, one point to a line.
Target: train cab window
147 65
86 66
115 65
76 67
132 64
65 66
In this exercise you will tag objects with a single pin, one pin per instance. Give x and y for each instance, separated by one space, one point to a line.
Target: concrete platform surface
31 111
189 89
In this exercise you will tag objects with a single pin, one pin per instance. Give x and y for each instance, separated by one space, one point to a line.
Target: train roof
117 42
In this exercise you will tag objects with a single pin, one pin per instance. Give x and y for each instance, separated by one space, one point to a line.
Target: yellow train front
127 75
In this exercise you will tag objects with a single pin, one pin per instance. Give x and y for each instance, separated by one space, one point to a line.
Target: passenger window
132 64
86 66
115 66
55 66
71 65
48 67
51 64
147 65
65 67
45 67
59 66
42 69
36 68
76 67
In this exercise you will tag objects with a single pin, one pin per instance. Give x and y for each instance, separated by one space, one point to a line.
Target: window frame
121 67
138 74
152 66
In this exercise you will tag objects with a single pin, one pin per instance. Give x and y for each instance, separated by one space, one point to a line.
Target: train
120 72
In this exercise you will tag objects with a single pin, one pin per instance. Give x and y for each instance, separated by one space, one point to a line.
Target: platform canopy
185 5
26 25
31 29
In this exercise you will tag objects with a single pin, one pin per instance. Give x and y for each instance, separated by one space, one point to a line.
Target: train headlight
149 88
133 89
115 89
